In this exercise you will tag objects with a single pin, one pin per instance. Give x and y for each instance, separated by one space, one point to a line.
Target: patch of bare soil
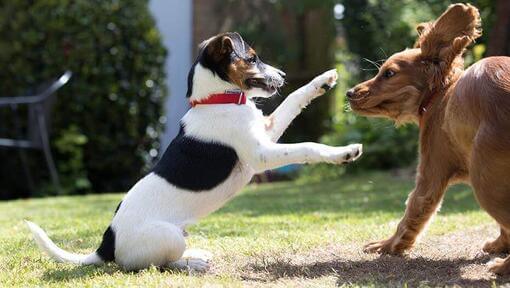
449 260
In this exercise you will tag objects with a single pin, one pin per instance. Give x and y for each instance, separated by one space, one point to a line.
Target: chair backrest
55 85
46 95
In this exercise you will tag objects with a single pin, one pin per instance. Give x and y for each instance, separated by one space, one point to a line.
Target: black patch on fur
196 165
118 207
190 79
218 67
106 250
326 87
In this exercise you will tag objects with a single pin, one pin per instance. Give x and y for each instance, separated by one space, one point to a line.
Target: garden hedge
106 121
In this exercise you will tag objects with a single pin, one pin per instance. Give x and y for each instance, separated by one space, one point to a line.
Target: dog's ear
422 28
447 37
227 45
220 46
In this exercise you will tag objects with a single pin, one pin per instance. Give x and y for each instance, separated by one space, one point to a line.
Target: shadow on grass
65 273
62 274
383 271
364 194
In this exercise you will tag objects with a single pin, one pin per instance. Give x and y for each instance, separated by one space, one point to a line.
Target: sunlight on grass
265 219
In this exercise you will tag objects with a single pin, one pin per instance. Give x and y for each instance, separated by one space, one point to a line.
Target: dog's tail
59 255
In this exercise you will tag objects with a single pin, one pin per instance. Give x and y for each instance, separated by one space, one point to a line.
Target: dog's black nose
350 93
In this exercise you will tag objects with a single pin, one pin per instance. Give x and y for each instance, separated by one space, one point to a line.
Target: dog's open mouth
262 84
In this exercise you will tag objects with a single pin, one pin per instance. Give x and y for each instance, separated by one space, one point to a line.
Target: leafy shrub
106 121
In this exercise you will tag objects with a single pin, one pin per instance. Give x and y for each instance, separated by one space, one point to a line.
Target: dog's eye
252 59
389 73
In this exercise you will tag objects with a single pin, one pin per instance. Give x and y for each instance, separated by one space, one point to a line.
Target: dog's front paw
500 266
392 246
345 154
198 254
355 151
196 260
324 82
196 264
497 246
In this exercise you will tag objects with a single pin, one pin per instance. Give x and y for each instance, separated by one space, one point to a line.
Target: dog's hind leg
154 243
490 164
281 118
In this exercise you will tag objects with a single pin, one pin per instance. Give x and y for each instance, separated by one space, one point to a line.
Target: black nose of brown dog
350 93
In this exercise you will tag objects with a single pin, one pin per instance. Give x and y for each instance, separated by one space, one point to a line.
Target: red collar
425 104
228 97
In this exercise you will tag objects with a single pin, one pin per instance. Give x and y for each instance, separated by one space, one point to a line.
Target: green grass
259 228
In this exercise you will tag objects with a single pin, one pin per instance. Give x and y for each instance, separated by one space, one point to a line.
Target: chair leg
26 171
21 153
47 152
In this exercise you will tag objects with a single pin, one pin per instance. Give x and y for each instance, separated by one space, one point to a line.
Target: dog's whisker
377 65
384 52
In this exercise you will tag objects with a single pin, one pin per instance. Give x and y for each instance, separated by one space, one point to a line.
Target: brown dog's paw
500 266
495 247
391 246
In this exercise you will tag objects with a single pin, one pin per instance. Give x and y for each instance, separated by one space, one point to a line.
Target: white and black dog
224 140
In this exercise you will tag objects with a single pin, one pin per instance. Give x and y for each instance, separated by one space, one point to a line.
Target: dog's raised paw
355 152
325 81
345 154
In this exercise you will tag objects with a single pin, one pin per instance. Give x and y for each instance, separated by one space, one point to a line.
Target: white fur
206 83
59 255
149 224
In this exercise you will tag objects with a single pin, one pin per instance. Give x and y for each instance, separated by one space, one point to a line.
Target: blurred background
129 60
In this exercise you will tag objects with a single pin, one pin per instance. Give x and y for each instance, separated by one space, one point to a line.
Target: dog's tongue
256 82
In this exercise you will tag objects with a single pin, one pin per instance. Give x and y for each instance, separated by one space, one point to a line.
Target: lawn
283 234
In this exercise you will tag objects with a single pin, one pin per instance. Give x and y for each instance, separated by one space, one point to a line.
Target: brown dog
464 119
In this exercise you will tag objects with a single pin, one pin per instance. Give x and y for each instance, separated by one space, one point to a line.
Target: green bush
108 118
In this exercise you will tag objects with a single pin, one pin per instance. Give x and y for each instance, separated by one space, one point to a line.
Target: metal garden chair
37 137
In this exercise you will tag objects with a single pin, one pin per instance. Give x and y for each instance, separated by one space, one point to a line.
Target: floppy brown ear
422 28
447 37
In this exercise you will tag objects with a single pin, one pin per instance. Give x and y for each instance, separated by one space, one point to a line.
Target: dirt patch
448 260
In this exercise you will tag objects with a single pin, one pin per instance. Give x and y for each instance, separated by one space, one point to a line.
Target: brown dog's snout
357 92
350 93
